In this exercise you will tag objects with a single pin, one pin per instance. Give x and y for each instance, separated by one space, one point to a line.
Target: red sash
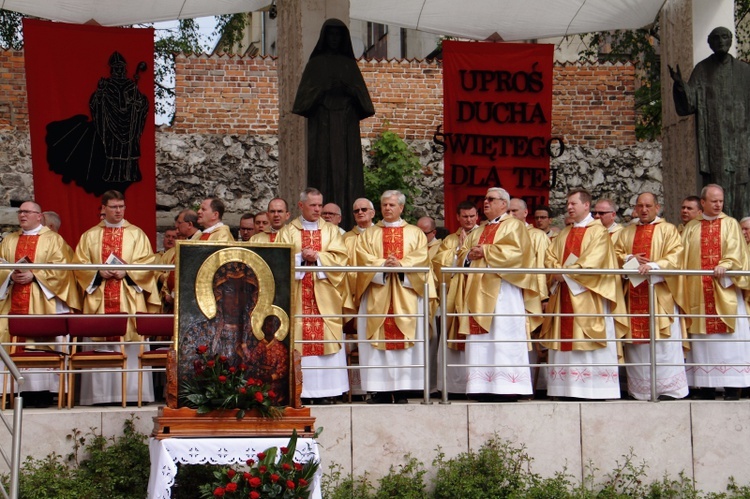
393 244
486 237
21 293
572 246
312 327
710 256
112 245
638 301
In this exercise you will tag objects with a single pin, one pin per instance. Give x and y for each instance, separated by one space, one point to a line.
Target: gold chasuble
446 256
264 237
505 244
222 233
318 293
660 243
593 248
136 292
409 245
45 246
709 243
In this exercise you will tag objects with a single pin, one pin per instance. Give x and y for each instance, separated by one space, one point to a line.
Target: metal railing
13 458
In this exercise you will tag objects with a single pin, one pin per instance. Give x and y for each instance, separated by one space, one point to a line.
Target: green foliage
230 32
394 167
10 30
405 481
335 485
742 28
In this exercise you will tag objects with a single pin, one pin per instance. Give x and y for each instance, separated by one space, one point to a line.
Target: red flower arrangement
218 385
275 474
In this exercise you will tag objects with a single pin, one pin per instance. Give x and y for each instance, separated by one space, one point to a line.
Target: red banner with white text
91 115
497 122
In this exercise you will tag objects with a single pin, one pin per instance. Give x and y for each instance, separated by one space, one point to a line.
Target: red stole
21 293
486 237
644 234
312 327
572 246
393 244
710 256
112 245
272 237
205 236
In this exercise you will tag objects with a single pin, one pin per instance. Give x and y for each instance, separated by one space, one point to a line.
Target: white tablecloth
166 453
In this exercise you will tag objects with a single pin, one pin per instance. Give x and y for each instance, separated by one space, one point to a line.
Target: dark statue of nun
332 95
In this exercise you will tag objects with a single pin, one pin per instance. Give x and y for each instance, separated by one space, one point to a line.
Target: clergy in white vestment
588 369
392 243
649 244
318 243
497 350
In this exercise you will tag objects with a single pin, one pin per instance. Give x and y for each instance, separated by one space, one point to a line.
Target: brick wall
593 106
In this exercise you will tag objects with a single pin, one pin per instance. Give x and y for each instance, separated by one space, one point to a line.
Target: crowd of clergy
510 335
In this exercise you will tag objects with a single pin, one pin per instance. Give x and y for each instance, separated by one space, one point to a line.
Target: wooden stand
185 422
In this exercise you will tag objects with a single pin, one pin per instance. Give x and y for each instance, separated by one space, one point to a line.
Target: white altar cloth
166 453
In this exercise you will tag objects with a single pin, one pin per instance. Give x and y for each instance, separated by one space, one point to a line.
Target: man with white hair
392 242
745 226
503 242
606 212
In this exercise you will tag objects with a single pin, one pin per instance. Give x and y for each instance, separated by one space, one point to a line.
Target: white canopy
475 19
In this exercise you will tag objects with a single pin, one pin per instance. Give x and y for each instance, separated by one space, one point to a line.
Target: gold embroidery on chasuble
393 244
112 245
710 256
639 295
312 327
487 237
21 293
572 247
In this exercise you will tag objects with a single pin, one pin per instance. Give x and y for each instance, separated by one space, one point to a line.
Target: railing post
652 332
15 457
426 318
443 341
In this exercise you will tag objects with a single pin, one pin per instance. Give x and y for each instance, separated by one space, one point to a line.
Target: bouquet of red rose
274 474
219 385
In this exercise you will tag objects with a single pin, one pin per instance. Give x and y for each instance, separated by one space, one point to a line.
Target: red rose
231 487
210 363
259 397
302 482
243 367
250 382
219 492
254 495
298 466
250 462
283 450
258 382
247 476
290 484
198 366
261 456
223 358
231 473
243 390
222 379
274 477
232 370
202 349
272 395
254 482
262 469
285 466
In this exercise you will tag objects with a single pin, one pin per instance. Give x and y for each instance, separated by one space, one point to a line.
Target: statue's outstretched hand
676 75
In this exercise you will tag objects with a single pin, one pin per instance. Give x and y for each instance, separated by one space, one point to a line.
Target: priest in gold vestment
278 214
655 245
713 241
584 245
210 214
447 256
503 242
115 240
36 291
318 243
392 243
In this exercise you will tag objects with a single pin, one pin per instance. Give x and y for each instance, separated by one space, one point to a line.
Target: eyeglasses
330 214
28 212
428 232
361 210
540 217
600 213
246 228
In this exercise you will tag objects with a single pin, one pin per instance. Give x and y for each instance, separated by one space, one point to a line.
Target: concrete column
299 23
685 25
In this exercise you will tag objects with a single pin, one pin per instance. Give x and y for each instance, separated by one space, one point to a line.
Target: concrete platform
708 440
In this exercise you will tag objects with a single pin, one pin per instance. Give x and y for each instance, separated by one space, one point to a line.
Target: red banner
91 116
497 122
